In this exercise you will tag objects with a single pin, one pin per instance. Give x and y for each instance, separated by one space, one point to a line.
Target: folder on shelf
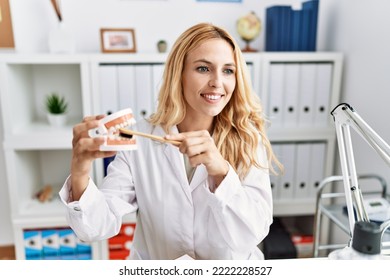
118 254
323 94
276 179
157 74
295 29
312 8
32 244
287 179
86 256
291 94
306 96
50 243
304 36
120 241
67 243
127 229
271 26
250 71
126 86
144 91
317 167
108 89
276 94
83 247
302 170
277 29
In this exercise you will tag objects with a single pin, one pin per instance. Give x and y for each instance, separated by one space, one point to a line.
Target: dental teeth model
109 129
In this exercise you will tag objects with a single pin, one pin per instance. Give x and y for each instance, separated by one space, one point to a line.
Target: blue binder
312 8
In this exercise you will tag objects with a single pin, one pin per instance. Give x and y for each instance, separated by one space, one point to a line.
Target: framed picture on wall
7 37
118 40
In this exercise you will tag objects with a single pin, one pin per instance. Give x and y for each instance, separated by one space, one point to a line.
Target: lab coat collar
176 161
199 177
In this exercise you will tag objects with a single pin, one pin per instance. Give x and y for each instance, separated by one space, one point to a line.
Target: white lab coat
174 217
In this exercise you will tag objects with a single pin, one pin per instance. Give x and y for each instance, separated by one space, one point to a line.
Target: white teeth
212 97
111 130
115 128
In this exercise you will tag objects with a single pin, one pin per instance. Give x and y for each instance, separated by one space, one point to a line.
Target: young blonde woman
209 197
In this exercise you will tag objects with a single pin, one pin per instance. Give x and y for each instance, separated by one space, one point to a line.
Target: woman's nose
215 82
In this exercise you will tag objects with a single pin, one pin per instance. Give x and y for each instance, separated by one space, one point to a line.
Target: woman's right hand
85 151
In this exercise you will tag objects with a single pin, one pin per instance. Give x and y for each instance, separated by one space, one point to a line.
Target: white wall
354 27
358 28
152 20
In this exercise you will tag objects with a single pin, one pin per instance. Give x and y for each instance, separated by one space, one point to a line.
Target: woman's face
209 78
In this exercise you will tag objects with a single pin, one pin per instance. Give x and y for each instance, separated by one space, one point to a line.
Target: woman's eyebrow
231 64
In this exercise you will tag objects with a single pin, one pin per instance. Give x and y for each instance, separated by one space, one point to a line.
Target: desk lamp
346 117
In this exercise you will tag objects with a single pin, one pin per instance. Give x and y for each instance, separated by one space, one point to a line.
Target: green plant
56 104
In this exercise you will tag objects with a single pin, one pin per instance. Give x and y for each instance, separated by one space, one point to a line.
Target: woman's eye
229 71
202 68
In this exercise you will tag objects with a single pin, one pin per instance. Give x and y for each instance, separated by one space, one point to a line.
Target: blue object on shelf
292 30
312 8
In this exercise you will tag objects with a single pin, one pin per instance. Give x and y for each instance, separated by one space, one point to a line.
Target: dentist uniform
175 217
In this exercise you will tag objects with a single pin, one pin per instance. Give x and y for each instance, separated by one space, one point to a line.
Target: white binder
276 87
287 180
276 179
251 71
143 89
126 87
317 167
108 89
157 72
307 92
291 94
302 170
322 94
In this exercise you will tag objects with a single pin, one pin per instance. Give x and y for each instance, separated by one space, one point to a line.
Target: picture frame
118 40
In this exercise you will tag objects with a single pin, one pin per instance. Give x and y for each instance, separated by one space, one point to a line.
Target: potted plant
56 107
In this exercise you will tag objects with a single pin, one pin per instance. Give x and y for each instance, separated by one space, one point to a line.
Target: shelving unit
308 132
37 154
42 153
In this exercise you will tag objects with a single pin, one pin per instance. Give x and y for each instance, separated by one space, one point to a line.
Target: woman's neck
196 124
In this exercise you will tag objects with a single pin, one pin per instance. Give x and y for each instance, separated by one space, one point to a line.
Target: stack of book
288 29
119 246
55 244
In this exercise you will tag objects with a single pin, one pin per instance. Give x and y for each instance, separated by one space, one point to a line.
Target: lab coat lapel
175 159
199 177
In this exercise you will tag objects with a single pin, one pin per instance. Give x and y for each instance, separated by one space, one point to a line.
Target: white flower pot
57 120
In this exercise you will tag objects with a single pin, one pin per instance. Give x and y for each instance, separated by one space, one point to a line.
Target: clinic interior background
356 28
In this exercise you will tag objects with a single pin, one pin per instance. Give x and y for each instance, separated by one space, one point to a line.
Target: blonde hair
239 126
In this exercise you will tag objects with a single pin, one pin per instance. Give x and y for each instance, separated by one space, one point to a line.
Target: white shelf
300 207
301 134
39 135
33 209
